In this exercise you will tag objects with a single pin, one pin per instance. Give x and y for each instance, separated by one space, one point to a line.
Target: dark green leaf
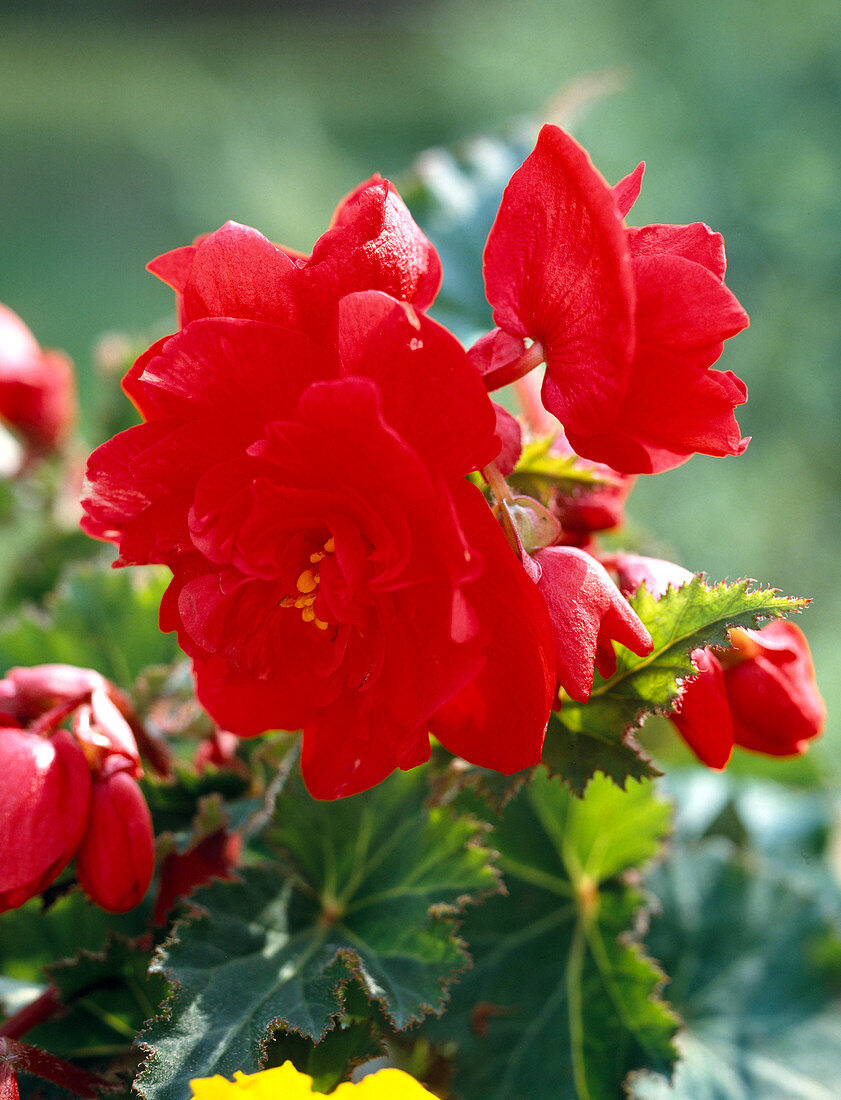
368 888
745 948
108 996
356 1038
593 736
559 1002
32 937
96 618
577 755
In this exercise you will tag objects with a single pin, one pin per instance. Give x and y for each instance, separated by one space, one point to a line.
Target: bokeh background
127 129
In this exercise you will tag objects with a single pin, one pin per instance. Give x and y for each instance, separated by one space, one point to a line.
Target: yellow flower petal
385 1084
281 1083
287 1083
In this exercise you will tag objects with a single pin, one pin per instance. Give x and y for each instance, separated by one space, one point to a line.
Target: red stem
20 1056
36 1012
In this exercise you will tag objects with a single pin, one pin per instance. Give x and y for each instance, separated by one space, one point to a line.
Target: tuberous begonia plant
361 545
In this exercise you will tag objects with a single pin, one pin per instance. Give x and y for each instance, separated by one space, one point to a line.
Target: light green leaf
367 888
594 736
559 1001
744 946
541 473
96 618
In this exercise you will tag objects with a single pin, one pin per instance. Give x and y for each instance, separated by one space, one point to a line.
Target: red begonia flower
37 388
760 694
60 795
629 320
302 486
587 613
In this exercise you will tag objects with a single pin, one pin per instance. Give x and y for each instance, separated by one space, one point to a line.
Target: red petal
696 242
773 696
682 306
557 269
510 435
703 713
499 719
348 750
45 791
116 858
627 190
374 244
173 268
431 394
633 570
140 484
236 272
500 358
245 704
232 367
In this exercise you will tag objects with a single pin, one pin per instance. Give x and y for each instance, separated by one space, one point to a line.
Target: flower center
307 586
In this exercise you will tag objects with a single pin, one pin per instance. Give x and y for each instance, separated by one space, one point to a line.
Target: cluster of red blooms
70 793
307 434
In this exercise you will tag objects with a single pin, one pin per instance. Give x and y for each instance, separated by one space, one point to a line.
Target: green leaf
108 995
96 618
541 473
594 736
744 946
356 1038
367 888
559 1001
33 936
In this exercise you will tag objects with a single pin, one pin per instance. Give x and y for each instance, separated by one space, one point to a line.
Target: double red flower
301 470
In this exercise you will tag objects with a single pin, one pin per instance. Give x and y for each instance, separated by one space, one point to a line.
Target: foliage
96 618
363 889
589 1011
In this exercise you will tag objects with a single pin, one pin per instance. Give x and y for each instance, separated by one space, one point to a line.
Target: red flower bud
45 792
760 694
27 693
588 613
116 858
37 388
632 570
773 696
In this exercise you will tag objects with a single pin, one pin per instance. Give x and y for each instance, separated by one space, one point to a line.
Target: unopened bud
116 858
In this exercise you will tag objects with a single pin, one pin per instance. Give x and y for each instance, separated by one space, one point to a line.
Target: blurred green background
127 129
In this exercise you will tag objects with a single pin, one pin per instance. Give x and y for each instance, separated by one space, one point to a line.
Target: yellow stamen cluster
307 586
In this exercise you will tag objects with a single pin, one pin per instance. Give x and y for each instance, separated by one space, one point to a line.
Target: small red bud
116 858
